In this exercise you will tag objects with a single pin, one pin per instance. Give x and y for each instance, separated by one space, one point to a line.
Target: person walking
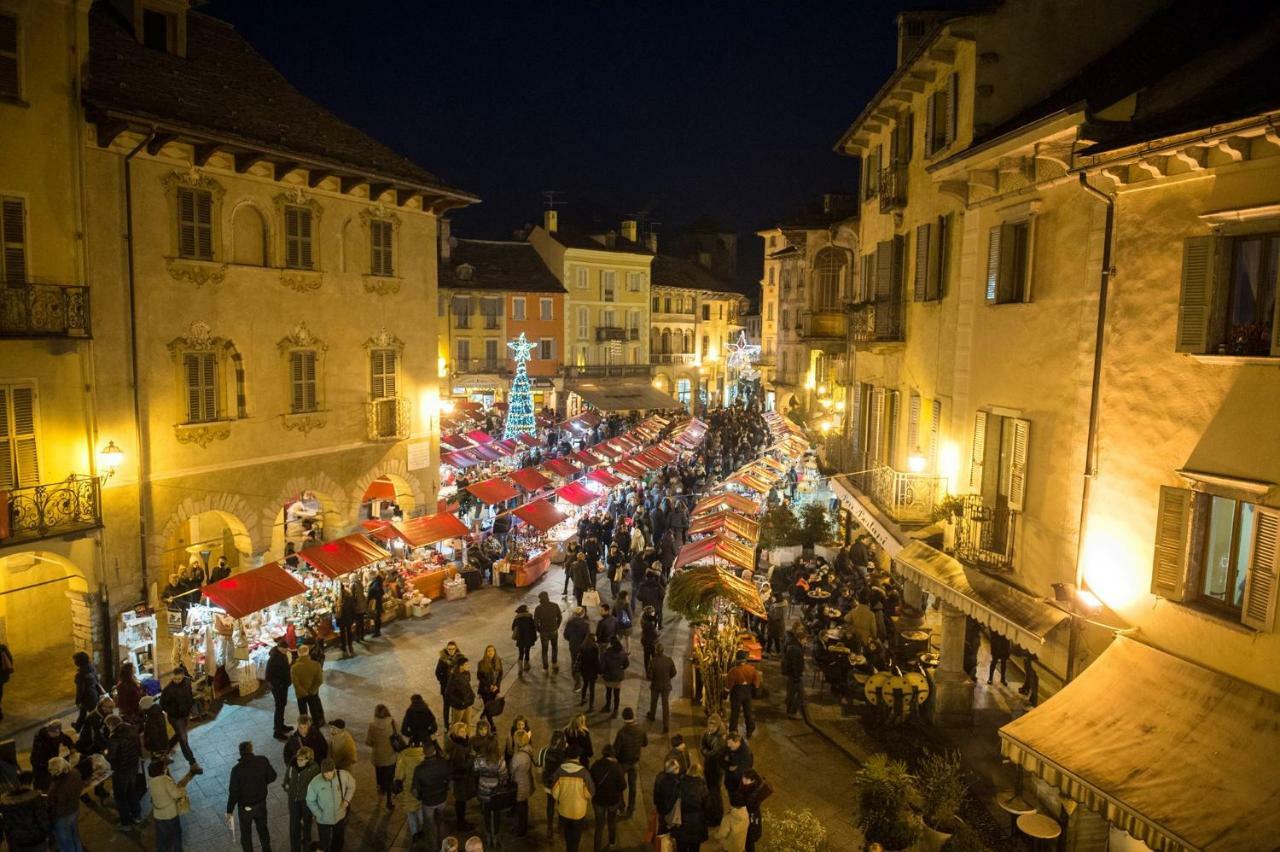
419 723
662 671
524 632
252 775
652 592
24 813
547 617
577 738
751 794
491 773
628 745
128 694
776 629
360 606
460 752
298 775
648 636
549 760
666 796
64 805
379 738
407 763
489 674
711 746
449 656
583 579
346 620
694 803
521 764
375 593
279 678
342 746
431 779
307 735
609 782
1000 649
307 676
573 789
742 681
177 701
624 612
124 754
88 688
613 668
329 800
460 695
575 633
588 659
607 626
793 671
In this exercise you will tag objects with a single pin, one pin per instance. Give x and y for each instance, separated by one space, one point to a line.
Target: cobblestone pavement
804 769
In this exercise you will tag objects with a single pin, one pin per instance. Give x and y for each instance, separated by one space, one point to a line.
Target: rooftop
572 236
677 272
497 265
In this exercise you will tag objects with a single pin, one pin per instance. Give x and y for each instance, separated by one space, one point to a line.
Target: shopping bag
591 599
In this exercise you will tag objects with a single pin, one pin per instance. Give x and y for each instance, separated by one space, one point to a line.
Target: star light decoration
742 357
520 417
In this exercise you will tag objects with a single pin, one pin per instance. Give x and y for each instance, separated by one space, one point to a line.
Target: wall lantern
110 458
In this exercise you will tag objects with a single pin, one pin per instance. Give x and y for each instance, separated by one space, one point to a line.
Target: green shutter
1173 527
1195 305
8 470
186 222
204 224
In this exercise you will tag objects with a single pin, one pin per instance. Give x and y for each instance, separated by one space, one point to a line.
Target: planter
932 840
784 555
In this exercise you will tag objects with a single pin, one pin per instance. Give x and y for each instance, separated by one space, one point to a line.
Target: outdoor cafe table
1040 828
1012 804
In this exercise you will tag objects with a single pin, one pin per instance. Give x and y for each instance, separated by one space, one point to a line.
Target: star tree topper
742 356
521 348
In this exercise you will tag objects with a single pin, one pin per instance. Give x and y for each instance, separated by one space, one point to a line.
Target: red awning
606 450
335 558
727 500
530 478
529 441
250 591
429 529
499 406
591 418
577 494
663 455
485 453
561 467
540 513
500 448
468 405
624 442
716 547
480 436
509 444
580 423
496 490
643 459
587 459
608 480
631 468
456 441
380 489
459 459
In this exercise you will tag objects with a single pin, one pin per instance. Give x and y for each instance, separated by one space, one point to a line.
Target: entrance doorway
387 498
201 539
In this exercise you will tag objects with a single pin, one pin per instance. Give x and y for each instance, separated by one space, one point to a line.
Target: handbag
496 706
398 742
503 797
591 599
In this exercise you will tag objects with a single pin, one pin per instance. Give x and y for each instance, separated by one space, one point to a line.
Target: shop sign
419 455
866 519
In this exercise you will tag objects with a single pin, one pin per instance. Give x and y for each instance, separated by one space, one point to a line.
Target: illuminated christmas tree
520 400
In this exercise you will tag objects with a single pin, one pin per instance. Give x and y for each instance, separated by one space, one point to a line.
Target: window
786 321
157 30
10 73
302 381
380 231
517 307
871 175
666 305
464 354
384 375
940 117
546 310
462 311
608 285
773 241
666 341
998 472
19 456
900 147
547 349
1228 302
706 312
773 275
13 241
195 223
201 375
584 322
582 278
608 318
491 354
829 270
684 392
935 433
297 237
914 407
929 280
656 305
770 312
1008 256
635 281
706 345
1219 553
688 342
633 324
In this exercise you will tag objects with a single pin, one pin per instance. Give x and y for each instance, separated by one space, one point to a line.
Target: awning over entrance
727 519
1181 757
561 467
1011 613
577 494
866 514
625 396
342 556
250 591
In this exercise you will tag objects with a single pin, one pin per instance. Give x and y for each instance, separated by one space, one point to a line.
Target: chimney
446 239
550 221
630 232
651 240
912 27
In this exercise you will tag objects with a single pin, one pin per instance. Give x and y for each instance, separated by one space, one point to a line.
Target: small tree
794 831
884 790
942 788
779 528
815 525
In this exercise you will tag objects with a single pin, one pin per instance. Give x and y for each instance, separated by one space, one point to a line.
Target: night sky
726 110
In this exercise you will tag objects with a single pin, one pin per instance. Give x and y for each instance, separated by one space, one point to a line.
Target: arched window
829 273
655 341
688 342
666 340
249 236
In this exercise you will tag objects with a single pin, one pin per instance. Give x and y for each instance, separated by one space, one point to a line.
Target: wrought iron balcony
985 534
610 332
611 371
44 310
51 509
878 322
908 498
388 419
672 357
481 365
893 188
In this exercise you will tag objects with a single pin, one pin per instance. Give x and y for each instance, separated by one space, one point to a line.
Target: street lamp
916 461
110 458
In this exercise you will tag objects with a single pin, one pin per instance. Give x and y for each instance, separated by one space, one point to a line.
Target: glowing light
1110 567
110 458
949 465
1088 600
916 461
840 405
442 366
825 403
446 406
810 382
822 389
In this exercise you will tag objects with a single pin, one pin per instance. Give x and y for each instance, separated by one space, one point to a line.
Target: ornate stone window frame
231 396
193 270
382 285
301 338
298 197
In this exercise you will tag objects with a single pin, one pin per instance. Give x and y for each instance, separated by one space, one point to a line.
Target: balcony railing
52 509
985 534
388 419
877 322
672 357
610 332
44 310
908 498
893 188
600 371
480 365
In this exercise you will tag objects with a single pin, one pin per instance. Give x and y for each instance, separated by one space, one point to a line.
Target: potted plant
779 534
941 781
794 831
884 790
815 526
965 840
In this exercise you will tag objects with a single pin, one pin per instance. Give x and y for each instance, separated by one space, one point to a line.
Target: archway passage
46 615
308 517
204 537
384 496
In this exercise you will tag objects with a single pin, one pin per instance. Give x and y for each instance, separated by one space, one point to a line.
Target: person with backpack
613 668
154 727
491 775
547 617
549 759
573 789
610 783
624 612
298 775
524 632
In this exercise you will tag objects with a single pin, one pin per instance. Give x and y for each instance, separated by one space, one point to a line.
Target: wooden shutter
1014 248
296 371
935 433
928 125
186 222
209 385
855 417
994 235
1173 527
875 427
883 289
978 454
204 224
13 264
893 404
913 422
1195 305
379 368
292 250
19 455
921 281
1017 485
952 108
1259 608
304 235
8 469
939 237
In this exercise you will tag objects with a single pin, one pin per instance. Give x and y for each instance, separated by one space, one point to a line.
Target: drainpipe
143 469
1095 392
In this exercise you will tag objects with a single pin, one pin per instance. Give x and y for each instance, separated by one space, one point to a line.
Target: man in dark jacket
444 667
177 701
575 632
736 760
459 695
627 747
279 678
548 617
610 783
652 593
307 735
155 730
583 578
662 671
24 813
606 627
375 593
250 778
431 787
793 671
124 753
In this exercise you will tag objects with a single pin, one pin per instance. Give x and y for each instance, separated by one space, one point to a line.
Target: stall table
533 568
430 583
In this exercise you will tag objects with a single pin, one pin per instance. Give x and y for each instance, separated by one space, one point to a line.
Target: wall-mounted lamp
916 461
110 458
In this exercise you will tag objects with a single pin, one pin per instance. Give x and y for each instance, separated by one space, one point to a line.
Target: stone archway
329 494
232 510
409 493
662 382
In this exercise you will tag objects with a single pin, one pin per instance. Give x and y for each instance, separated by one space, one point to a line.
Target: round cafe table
1013 804
1040 828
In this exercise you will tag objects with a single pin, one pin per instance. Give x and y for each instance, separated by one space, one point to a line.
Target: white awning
1180 756
866 514
625 396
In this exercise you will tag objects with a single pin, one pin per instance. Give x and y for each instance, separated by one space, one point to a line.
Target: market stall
435 545
727 500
